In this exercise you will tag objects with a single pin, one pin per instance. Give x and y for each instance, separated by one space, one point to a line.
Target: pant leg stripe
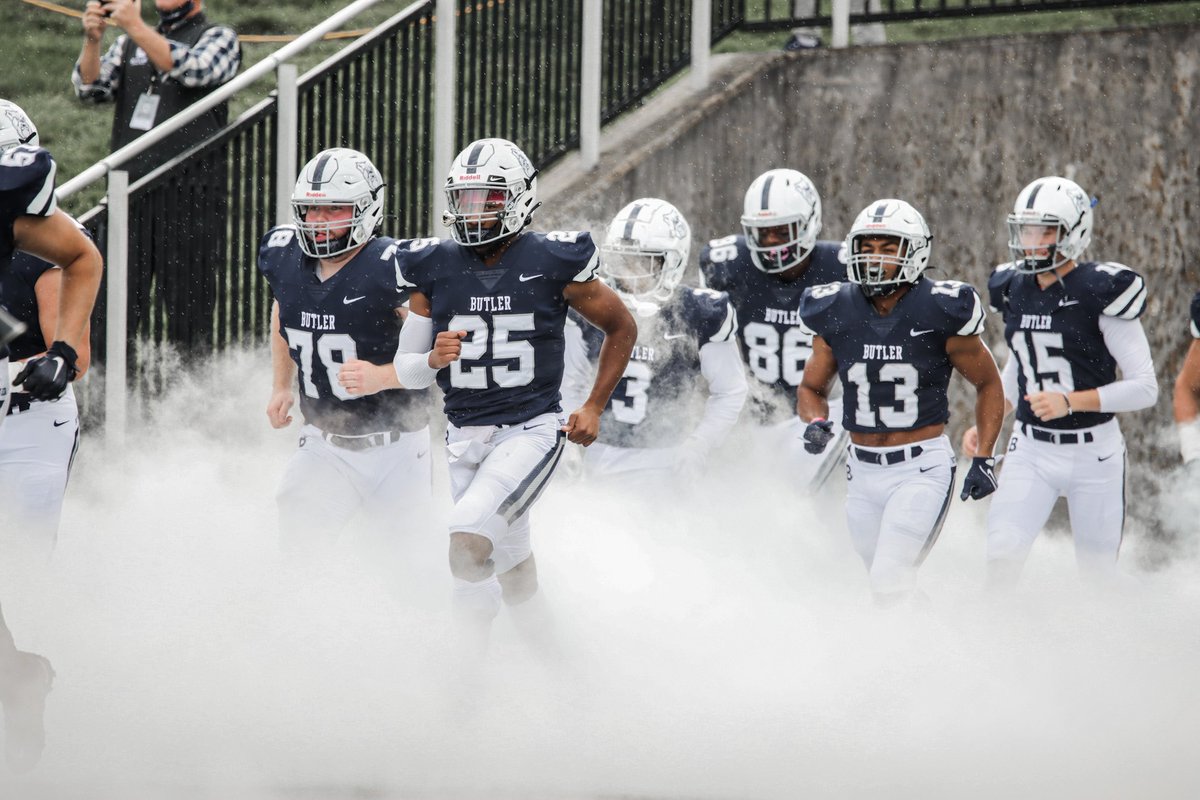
531 486
937 526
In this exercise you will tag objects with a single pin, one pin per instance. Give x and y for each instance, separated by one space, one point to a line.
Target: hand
447 347
362 377
583 426
970 442
95 22
1048 405
278 407
125 14
817 435
981 480
46 376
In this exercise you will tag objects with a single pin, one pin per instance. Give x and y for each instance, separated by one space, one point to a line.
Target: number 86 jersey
894 368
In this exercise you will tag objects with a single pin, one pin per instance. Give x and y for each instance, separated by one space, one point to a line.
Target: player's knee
520 583
470 557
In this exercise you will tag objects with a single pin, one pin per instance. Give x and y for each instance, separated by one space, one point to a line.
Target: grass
42 46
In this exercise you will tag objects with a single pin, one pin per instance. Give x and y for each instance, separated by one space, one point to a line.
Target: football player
652 428
30 220
764 271
488 309
1069 325
39 438
335 325
1187 394
894 337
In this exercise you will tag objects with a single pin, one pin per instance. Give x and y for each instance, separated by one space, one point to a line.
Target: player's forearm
811 403
1186 407
283 369
80 284
721 366
614 357
990 409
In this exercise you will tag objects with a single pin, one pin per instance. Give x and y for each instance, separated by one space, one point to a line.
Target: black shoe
24 697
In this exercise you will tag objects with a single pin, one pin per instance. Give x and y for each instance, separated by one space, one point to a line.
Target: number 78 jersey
894 368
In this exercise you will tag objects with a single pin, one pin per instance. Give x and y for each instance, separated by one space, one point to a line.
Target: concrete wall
956 129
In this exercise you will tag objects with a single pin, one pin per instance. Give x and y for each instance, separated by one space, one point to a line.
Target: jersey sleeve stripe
727 327
1131 301
45 203
589 272
975 325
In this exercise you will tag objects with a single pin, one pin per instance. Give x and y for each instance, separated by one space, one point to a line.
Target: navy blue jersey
511 365
658 400
1196 316
26 189
894 368
1055 333
18 296
352 315
775 346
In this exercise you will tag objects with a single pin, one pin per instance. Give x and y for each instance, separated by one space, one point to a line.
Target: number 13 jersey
1054 333
511 366
894 368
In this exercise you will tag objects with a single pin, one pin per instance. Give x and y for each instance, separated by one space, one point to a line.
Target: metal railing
763 15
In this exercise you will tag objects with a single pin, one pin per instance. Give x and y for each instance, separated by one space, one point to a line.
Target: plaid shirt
212 61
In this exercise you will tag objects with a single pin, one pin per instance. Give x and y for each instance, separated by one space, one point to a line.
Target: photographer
154 73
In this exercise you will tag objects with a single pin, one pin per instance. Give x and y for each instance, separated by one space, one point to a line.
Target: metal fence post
589 84
286 123
443 109
701 42
841 23
116 370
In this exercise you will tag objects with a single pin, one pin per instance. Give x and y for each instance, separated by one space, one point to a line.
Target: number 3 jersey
1054 334
775 346
352 315
660 397
511 365
894 368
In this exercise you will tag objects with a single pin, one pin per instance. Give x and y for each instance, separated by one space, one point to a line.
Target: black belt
1041 435
363 442
890 457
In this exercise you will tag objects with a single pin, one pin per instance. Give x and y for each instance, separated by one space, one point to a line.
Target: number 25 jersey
1054 333
511 366
894 368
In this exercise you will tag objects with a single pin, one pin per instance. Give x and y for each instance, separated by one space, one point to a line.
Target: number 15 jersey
511 366
894 368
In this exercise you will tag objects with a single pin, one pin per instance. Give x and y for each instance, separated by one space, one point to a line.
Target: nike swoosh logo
524 278
1105 458
349 300
915 332
669 336
926 469
58 424
1065 303
531 427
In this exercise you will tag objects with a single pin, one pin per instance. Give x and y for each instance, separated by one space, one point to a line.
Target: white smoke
715 645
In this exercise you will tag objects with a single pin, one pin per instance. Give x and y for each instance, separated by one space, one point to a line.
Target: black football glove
10 327
981 480
46 377
817 435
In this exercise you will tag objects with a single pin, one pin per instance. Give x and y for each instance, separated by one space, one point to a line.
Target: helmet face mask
337 179
645 253
491 193
1050 225
888 247
781 219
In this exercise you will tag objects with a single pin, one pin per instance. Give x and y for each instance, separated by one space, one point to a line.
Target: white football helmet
1050 224
645 253
338 177
781 197
894 218
488 173
16 128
